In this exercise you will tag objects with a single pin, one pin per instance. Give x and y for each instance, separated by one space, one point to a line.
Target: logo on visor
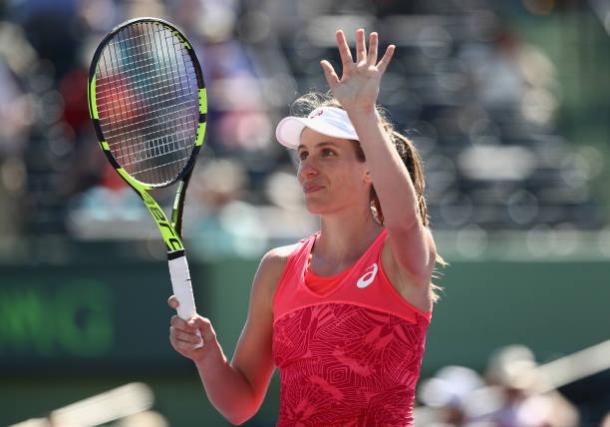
316 113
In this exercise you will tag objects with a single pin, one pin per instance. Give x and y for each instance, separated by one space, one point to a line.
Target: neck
344 237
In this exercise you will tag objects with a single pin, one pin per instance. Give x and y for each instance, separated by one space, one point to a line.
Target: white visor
330 121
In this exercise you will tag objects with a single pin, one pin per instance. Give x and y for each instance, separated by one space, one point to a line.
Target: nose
307 169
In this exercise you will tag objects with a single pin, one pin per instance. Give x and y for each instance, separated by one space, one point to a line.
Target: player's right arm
236 388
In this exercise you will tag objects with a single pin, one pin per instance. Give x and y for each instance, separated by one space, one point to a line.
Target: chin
316 207
322 206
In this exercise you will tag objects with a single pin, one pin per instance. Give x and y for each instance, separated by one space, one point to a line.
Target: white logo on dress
368 277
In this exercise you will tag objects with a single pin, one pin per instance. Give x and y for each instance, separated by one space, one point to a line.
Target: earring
375 212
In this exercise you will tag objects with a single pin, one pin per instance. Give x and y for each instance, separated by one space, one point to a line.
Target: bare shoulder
270 270
274 261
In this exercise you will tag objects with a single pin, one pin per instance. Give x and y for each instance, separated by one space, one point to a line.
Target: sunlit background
508 103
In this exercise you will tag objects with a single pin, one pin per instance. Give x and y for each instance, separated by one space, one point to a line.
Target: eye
327 152
302 155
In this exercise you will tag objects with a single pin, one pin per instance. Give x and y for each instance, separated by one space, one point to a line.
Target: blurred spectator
52 29
508 74
514 370
237 109
507 396
448 392
221 224
16 117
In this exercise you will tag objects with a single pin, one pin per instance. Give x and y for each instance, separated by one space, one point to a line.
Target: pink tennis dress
349 348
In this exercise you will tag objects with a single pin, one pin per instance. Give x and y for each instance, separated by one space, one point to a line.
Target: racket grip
181 285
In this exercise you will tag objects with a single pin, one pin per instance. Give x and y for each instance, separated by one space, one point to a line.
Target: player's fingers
373 46
205 327
183 337
178 323
183 347
344 52
360 45
387 57
329 73
173 302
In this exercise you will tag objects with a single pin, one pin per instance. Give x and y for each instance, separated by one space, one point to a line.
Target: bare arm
410 241
236 388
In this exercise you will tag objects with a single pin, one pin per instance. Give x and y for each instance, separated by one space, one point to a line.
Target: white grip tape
181 285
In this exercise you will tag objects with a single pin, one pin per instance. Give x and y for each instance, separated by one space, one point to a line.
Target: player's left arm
410 241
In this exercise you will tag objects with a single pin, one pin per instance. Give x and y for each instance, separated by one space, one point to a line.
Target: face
330 174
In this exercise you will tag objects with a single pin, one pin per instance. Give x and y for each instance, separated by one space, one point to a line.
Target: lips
311 187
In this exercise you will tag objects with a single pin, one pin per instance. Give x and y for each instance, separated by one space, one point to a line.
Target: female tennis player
343 313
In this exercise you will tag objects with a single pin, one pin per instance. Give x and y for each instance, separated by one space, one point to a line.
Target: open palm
358 87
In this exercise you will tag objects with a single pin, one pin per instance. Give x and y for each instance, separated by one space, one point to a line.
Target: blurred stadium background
508 103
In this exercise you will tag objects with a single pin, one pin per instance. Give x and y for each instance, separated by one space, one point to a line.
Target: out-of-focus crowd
513 391
53 179
480 105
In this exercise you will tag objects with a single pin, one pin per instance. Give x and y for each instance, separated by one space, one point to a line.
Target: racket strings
122 130
130 84
162 145
148 102
146 62
160 94
138 45
136 142
168 163
153 151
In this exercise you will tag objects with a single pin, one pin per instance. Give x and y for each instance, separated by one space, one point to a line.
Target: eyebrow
320 144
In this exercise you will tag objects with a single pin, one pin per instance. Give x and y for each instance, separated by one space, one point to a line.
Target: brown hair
303 105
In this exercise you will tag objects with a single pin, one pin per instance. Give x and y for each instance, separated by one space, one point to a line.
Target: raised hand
358 87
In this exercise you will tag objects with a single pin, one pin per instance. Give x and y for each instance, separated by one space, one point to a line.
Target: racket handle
181 285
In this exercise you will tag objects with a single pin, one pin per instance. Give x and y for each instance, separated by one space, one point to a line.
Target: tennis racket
148 103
